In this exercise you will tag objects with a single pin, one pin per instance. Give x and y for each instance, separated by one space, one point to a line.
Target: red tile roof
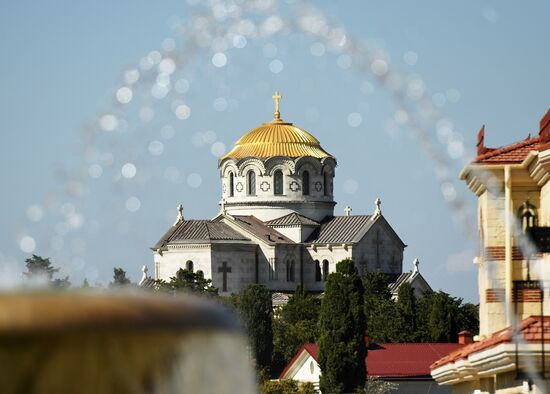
530 329
394 359
517 152
514 153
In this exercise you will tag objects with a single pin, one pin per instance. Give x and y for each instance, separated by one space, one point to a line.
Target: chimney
544 132
465 337
481 149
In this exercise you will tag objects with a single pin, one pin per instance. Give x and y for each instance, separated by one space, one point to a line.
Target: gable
380 222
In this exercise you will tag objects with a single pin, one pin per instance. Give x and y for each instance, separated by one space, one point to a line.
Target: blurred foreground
89 342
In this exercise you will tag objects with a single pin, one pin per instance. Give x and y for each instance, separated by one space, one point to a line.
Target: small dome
277 138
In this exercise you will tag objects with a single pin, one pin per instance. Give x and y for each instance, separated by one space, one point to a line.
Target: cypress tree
256 310
341 342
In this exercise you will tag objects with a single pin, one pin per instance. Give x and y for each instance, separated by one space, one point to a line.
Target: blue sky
484 62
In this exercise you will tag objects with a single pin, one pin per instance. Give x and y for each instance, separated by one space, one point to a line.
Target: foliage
286 386
295 325
384 322
41 269
255 309
188 281
406 309
434 317
341 342
468 317
377 386
119 278
441 317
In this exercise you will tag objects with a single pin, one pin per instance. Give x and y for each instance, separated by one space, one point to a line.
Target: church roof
277 138
341 229
255 226
199 231
292 219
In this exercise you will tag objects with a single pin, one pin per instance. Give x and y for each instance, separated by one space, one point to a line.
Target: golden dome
277 138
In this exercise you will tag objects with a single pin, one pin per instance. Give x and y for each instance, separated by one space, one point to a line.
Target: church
276 225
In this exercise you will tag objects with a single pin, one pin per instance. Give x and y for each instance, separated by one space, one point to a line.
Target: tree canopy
41 269
342 326
119 278
255 308
295 324
188 281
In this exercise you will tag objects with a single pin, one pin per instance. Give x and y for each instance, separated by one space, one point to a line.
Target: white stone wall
275 277
390 252
175 258
241 258
208 258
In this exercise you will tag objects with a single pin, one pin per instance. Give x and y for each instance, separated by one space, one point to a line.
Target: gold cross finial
277 97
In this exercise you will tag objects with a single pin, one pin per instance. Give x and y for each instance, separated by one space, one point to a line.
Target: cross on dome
277 96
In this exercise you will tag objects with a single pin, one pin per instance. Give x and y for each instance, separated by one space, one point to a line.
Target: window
527 215
231 184
290 271
189 266
318 275
251 178
305 183
325 184
325 270
278 182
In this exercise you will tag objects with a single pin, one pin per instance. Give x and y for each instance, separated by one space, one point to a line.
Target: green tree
188 281
255 308
468 318
439 317
294 325
342 326
39 267
42 269
406 307
286 386
384 320
119 278
385 324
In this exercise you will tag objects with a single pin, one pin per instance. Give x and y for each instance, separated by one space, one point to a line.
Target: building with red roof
510 354
406 364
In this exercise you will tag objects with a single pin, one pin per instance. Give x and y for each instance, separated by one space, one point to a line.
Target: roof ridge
505 149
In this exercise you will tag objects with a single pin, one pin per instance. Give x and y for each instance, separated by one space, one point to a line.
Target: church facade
276 225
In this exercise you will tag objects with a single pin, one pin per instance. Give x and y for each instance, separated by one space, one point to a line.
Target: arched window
278 182
527 215
325 270
231 184
189 266
318 274
290 271
326 180
305 183
251 184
